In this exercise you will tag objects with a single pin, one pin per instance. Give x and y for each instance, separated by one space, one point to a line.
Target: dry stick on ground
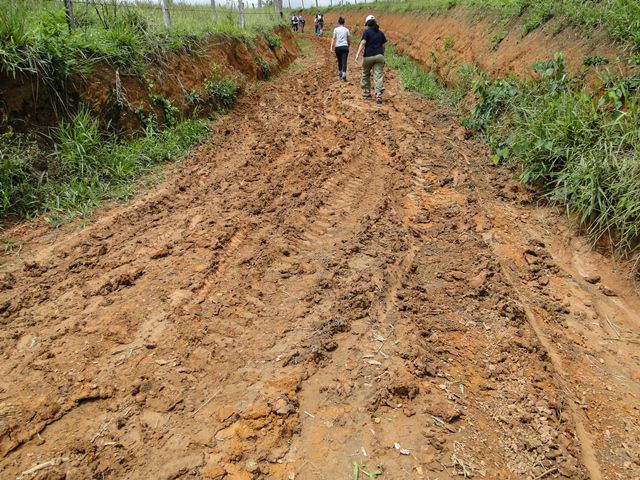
613 326
207 401
41 466
622 339
548 472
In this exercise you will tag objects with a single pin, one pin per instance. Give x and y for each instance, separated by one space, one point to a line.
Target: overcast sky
285 3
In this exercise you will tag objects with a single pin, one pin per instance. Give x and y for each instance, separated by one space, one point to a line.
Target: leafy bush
169 111
265 70
581 147
222 91
273 39
21 181
594 60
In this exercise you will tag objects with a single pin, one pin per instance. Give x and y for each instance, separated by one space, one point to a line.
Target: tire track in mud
301 294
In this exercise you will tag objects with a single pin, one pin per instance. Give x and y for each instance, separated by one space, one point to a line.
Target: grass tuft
85 167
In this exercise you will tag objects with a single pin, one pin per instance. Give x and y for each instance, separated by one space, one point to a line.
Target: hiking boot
378 98
366 94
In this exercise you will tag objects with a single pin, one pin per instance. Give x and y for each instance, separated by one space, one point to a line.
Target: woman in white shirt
341 40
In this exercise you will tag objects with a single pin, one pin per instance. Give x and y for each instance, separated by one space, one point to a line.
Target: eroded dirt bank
459 37
125 99
323 282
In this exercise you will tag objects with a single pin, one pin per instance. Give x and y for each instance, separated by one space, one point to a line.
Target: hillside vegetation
620 18
69 168
35 38
579 142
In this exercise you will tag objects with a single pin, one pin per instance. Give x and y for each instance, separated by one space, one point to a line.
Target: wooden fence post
71 18
165 13
241 10
214 12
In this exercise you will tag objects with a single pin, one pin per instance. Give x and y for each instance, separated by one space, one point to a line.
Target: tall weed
582 147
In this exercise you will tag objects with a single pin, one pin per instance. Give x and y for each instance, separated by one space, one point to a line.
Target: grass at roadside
582 147
85 166
67 170
417 79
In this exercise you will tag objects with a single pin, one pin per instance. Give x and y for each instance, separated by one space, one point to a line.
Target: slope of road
325 282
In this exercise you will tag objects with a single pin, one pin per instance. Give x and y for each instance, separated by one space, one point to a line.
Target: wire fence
171 14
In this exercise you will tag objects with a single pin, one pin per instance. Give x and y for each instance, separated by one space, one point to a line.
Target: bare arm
360 47
333 39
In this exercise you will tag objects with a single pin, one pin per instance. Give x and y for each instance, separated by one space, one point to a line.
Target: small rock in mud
607 291
457 275
444 410
404 390
5 306
592 279
160 253
283 406
7 281
34 269
335 325
214 472
478 280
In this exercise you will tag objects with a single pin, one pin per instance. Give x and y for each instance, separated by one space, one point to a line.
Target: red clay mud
323 282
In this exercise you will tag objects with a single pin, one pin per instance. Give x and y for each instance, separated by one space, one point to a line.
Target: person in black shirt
372 43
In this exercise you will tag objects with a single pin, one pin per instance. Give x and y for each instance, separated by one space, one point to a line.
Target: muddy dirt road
325 282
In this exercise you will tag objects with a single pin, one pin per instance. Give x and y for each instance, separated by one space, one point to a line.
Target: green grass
67 170
620 18
34 37
582 147
84 167
418 79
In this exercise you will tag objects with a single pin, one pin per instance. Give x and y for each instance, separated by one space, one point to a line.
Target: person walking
301 22
319 21
340 43
294 23
373 40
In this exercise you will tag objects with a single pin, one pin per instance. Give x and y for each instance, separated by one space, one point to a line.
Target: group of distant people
298 22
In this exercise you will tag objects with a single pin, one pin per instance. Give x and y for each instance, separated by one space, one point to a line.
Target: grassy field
35 38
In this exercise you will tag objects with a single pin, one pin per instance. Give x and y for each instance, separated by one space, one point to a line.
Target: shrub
222 92
581 147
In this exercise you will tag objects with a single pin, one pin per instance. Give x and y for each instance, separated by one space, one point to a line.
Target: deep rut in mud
324 282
